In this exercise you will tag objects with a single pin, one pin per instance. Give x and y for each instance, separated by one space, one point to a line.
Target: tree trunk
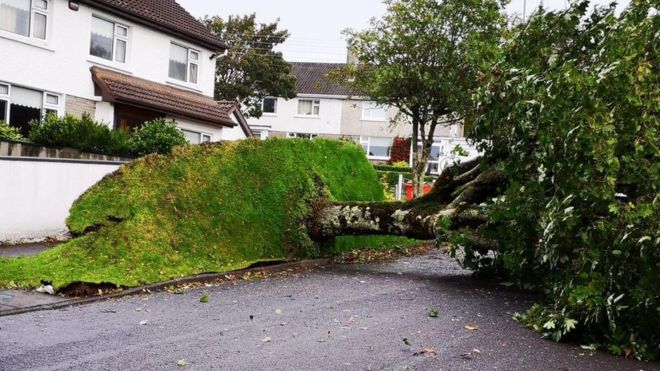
453 200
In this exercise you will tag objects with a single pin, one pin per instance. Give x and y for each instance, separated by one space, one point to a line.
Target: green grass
351 243
202 209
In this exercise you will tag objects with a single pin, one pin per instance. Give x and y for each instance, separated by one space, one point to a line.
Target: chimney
350 57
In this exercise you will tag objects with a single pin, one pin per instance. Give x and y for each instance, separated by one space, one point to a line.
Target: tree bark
454 199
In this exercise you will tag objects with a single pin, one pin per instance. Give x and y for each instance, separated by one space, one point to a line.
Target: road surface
340 317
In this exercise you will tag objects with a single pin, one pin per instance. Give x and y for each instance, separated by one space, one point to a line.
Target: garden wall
38 186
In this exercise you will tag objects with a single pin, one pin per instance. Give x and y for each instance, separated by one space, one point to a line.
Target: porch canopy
131 91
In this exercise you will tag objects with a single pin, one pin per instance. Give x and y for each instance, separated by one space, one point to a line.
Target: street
345 317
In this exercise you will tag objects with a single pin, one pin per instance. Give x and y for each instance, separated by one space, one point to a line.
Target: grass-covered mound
202 209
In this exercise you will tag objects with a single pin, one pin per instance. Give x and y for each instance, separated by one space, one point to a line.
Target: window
195 137
184 64
377 148
109 40
309 107
269 105
302 135
373 112
19 106
27 18
260 134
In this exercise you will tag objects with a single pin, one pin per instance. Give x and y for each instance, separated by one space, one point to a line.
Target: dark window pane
21 116
3 110
270 105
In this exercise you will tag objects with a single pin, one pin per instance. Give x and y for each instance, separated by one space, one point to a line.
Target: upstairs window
27 18
371 111
309 107
269 105
109 40
184 63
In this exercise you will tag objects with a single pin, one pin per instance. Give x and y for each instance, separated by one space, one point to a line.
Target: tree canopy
251 69
425 57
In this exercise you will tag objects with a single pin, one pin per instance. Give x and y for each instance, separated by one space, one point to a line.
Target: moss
202 209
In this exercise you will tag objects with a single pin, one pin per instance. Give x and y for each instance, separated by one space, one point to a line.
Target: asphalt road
341 317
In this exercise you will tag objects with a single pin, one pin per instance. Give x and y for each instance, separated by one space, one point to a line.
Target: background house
324 108
123 62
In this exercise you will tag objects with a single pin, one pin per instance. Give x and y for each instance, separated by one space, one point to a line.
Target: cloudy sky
316 25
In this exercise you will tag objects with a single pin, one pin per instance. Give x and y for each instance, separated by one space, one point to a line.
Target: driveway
339 317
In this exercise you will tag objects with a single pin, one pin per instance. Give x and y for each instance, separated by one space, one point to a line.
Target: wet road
340 317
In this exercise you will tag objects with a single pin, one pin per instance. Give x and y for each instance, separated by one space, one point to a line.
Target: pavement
336 317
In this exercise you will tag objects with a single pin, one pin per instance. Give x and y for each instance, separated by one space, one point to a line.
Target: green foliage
398 169
343 244
10 133
401 165
157 136
252 69
426 57
81 133
572 108
208 208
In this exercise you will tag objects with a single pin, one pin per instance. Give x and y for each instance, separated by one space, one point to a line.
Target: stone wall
77 106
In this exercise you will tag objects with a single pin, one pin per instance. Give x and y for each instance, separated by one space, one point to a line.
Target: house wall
62 63
216 132
287 120
36 195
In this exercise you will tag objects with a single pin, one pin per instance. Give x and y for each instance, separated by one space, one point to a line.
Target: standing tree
251 69
425 57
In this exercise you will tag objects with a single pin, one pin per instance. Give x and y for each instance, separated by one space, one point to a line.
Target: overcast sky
316 25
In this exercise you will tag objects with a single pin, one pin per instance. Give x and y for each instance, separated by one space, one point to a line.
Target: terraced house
122 61
324 108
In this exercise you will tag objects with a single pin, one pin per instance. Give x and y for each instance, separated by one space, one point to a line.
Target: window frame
263 101
316 103
189 62
298 135
366 140
45 106
202 135
116 37
31 29
375 106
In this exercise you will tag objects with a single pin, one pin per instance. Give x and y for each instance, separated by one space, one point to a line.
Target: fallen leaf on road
278 311
476 351
284 323
204 299
471 328
251 317
144 323
266 340
425 351
406 341
467 356
433 313
182 363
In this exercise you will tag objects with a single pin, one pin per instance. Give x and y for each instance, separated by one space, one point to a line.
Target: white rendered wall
287 119
61 64
35 196
216 132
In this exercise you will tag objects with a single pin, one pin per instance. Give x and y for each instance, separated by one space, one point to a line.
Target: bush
572 110
10 133
81 133
157 136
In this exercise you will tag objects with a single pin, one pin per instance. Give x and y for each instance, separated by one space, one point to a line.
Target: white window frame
292 135
5 98
45 106
33 10
269 113
201 134
366 141
366 111
116 37
189 62
316 103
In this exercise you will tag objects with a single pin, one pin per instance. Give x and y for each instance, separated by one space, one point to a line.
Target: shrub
81 133
157 136
572 111
10 133
400 151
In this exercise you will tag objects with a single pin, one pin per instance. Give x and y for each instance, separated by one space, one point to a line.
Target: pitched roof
165 15
121 88
312 78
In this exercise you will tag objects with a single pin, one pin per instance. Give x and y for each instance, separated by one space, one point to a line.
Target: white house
324 108
123 62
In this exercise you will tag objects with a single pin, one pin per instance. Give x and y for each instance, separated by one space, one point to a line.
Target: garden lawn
210 208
